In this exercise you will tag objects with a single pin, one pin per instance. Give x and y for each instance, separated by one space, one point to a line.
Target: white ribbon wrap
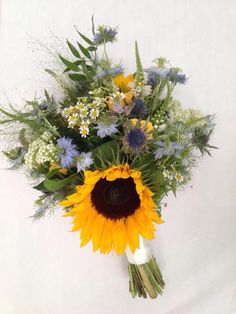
141 255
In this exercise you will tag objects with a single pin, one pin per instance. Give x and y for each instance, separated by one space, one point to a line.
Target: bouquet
109 150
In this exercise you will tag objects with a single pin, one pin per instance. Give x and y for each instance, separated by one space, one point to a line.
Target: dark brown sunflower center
115 199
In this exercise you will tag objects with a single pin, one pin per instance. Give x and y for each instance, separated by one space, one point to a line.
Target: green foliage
139 69
13 154
106 155
74 51
55 181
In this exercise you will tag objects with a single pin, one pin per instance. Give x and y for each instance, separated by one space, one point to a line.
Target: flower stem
145 279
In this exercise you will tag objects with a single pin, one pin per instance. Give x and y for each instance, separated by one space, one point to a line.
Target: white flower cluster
40 151
177 113
173 175
83 114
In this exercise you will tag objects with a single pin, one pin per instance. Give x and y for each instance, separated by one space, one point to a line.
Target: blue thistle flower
136 138
104 34
139 110
68 151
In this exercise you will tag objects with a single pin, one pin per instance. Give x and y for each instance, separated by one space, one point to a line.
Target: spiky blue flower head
104 34
139 110
68 151
106 129
136 138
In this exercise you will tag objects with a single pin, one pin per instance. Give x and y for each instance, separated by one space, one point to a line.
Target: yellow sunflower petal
81 219
106 240
132 234
145 225
119 236
86 232
98 228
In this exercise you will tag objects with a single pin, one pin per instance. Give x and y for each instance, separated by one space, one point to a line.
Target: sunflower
113 208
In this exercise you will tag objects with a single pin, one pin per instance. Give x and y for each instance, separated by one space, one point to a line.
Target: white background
42 268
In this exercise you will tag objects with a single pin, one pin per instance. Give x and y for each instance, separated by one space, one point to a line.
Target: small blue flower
160 152
84 161
154 73
177 77
106 130
178 149
100 75
116 70
171 149
139 110
110 72
68 151
136 138
105 34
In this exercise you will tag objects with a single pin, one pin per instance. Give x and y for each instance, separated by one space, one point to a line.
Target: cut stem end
145 279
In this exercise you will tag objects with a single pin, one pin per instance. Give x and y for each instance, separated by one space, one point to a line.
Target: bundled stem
145 279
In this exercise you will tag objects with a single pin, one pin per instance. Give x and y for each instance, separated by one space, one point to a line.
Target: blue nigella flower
110 72
136 138
170 149
68 151
177 77
139 110
106 130
104 34
84 161
171 74
154 73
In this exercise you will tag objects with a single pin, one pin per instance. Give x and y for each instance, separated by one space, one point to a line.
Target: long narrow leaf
70 65
84 51
86 39
73 49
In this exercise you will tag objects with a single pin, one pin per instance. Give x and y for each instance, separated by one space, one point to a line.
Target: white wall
43 270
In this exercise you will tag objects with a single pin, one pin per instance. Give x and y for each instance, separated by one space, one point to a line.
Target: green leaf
86 39
23 139
53 74
167 99
40 187
85 51
73 50
51 173
78 62
77 77
92 48
70 65
59 196
105 153
57 184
